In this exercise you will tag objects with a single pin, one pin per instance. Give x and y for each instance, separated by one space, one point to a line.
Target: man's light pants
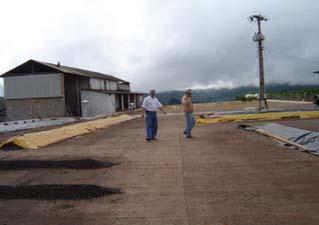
190 122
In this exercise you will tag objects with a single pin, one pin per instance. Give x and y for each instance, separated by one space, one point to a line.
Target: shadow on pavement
52 164
56 192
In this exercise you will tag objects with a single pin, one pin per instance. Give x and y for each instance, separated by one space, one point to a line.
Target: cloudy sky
165 44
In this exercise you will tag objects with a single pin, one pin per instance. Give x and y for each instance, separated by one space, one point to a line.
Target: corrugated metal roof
116 92
74 71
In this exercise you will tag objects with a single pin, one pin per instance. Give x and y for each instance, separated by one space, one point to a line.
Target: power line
291 56
279 15
241 37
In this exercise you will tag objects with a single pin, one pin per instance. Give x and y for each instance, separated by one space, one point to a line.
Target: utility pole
259 37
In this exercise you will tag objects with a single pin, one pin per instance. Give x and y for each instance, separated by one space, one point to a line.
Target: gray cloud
216 47
179 44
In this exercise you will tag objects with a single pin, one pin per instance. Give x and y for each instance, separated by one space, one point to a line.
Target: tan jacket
187 104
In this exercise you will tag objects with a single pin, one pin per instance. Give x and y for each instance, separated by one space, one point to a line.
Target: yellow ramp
260 116
44 138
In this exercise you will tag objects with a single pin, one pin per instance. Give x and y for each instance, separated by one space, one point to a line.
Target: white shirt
151 104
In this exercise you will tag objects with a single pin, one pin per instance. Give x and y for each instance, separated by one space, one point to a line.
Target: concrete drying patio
223 176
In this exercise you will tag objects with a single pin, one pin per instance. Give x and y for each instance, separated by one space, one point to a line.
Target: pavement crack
182 170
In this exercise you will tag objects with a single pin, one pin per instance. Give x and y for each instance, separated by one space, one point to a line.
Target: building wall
98 103
84 83
71 96
101 84
20 109
139 101
34 96
124 87
118 105
112 86
33 86
95 84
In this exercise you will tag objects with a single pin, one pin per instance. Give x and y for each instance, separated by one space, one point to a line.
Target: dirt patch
56 192
52 164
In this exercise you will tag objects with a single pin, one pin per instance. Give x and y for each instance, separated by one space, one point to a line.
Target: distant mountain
229 94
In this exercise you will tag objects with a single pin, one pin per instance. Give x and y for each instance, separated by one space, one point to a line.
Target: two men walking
151 104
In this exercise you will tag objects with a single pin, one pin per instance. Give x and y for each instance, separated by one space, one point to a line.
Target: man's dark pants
151 124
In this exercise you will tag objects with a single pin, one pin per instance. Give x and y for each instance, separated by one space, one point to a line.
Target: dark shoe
189 136
148 139
185 132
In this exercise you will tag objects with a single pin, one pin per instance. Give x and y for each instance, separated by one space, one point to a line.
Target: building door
72 96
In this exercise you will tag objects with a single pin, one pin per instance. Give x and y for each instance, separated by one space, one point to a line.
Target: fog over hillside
229 94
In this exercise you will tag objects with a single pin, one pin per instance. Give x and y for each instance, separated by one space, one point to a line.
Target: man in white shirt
150 106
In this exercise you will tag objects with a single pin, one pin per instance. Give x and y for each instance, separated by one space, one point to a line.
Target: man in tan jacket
188 110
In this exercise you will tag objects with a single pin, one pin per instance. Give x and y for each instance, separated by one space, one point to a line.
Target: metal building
37 89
